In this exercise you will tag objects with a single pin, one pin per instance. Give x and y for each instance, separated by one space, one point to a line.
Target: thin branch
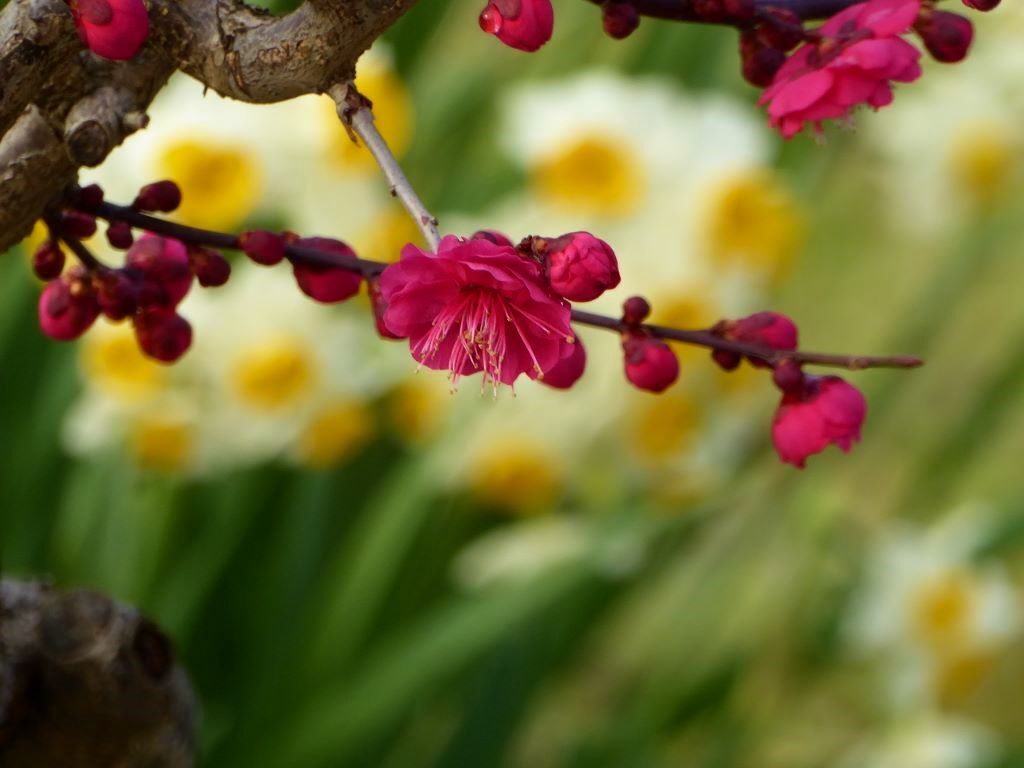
368 268
355 113
706 338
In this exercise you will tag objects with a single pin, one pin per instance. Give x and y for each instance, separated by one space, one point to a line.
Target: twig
355 113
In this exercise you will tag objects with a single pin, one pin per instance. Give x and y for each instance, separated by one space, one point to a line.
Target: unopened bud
635 310
263 247
947 36
210 267
48 261
160 197
620 20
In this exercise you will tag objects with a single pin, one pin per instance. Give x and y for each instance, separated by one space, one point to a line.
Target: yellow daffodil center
593 174
961 674
161 443
417 407
662 428
983 158
754 221
274 375
334 434
516 475
112 362
392 112
943 609
220 184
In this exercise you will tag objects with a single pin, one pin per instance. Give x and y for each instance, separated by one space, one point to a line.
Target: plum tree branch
368 269
91 104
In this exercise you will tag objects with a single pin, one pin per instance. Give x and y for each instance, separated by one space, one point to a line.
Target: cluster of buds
649 362
810 74
113 29
147 290
815 411
479 304
852 59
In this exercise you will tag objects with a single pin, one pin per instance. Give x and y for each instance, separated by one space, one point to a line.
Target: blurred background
361 568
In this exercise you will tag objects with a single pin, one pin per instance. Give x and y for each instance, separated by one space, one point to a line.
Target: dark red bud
788 377
727 361
91 196
160 196
119 235
982 5
210 267
266 248
78 225
620 20
760 65
163 334
48 261
947 36
117 292
635 310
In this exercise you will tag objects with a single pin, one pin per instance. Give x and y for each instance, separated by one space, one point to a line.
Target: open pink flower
475 306
859 54
114 29
825 410
522 24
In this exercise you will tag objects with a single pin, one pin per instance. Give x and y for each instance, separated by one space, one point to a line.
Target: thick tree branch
85 681
91 105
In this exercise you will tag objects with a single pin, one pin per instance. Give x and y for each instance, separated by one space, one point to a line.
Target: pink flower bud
324 283
117 293
947 36
491 235
114 29
635 310
163 265
163 334
210 267
380 307
568 370
78 225
67 307
650 363
266 248
48 261
160 196
825 410
580 266
522 24
982 5
620 20
119 235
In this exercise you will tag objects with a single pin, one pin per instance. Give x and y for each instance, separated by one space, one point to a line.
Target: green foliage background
314 610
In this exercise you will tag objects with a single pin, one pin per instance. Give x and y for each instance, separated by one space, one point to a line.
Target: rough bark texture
88 683
90 105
